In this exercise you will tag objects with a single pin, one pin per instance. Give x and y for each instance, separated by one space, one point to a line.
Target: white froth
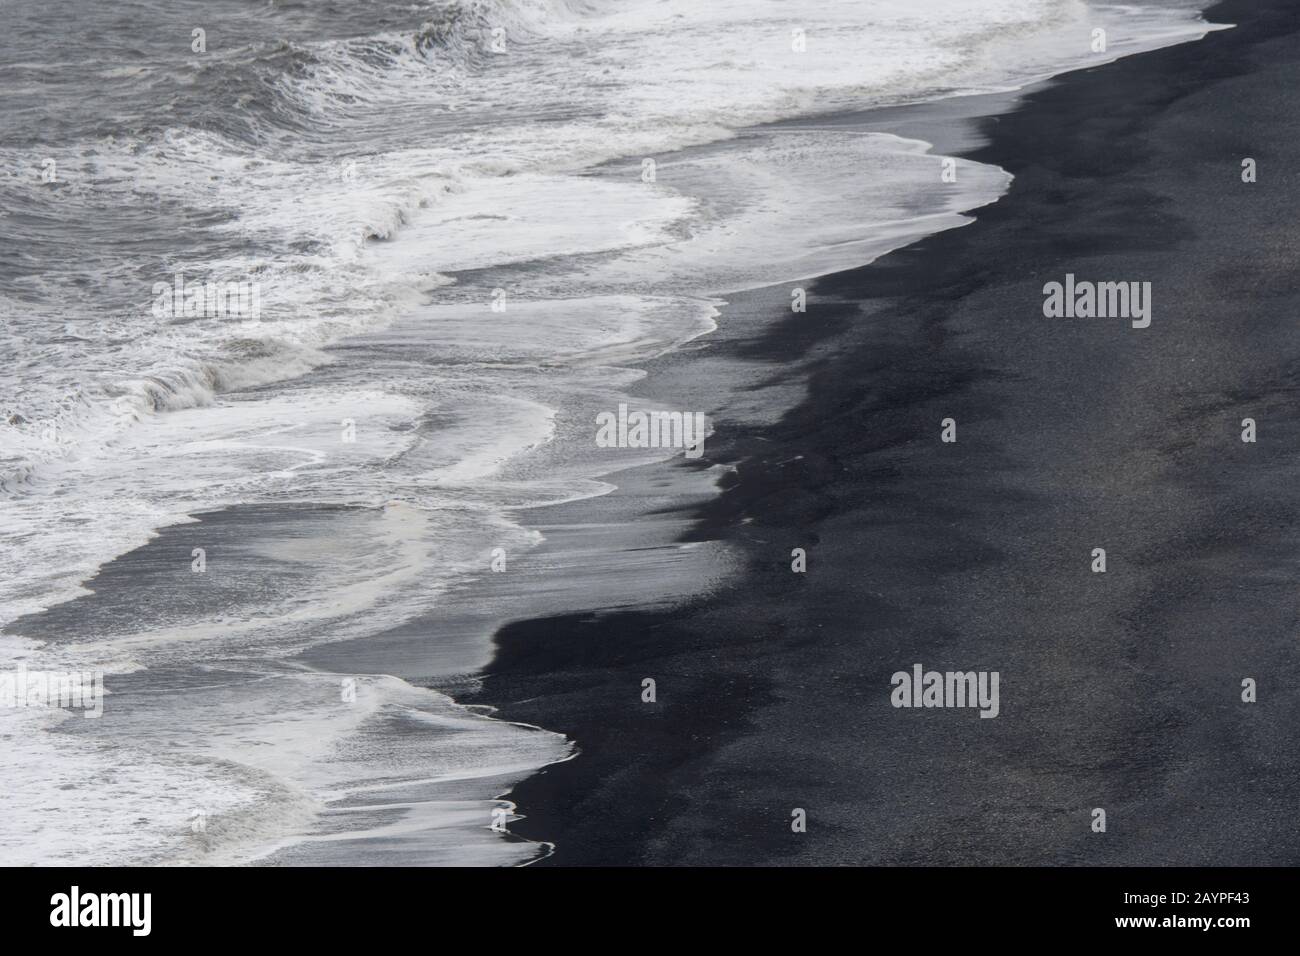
415 179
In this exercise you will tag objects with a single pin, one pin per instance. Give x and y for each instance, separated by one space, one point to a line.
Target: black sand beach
1119 690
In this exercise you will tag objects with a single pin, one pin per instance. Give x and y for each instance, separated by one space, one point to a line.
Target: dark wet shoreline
1119 691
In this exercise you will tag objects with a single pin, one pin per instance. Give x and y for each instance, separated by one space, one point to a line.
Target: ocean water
459 257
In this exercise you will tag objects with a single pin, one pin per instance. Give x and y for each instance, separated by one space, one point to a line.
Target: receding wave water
466 223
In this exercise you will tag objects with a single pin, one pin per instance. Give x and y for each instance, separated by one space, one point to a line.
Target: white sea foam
387 186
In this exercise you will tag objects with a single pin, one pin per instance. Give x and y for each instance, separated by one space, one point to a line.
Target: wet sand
1119 690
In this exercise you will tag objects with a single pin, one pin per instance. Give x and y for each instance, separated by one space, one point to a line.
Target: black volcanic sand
1119 690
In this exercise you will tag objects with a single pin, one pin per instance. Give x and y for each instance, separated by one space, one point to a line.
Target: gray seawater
450 256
